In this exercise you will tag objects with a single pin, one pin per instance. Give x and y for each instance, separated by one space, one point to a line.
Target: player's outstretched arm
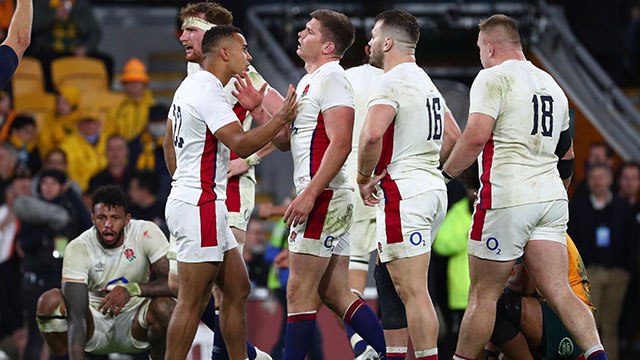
451 134
19 34
246 143
168 150
338 123
76 299
470 144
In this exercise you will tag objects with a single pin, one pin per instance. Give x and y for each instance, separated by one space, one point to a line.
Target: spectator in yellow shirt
130 117
85 150
63 122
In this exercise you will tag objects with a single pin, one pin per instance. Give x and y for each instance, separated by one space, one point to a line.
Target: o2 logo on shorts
328 242
565 347
416 239
493 245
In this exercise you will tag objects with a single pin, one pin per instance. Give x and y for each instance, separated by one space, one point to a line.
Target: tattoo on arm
76 297
160 286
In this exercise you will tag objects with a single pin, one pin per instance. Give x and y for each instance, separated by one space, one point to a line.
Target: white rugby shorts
407 227
502 234
202 233
326 230
241 197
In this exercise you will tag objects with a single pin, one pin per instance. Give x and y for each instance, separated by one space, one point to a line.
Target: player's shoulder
82 242
142 228
330 70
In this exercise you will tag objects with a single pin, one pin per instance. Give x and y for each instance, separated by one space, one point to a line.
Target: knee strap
508 315
391 306
52 322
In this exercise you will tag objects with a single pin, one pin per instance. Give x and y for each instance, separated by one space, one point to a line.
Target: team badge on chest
130 255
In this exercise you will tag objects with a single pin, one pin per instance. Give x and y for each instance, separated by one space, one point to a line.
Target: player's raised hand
368 189
247 95
289 109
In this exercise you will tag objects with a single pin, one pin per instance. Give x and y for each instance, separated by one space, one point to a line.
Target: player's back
518 164
411 145
201 160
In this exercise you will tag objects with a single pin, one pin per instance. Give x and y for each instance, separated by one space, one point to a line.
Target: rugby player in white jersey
518 129
204 129
320 215
362 234
107 304
406 132
196 19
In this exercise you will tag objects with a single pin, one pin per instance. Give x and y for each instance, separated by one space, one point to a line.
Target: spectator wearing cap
130 117
85 150
22 135
63 122
145 151
48 221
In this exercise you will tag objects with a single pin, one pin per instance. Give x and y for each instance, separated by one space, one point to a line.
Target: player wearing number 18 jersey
519 125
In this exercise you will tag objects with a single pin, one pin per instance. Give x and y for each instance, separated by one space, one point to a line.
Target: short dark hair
213 13
599 165
147 180
22 121
216 34
109 195
337 28
504 22
55 151
401 20
608 149
158 113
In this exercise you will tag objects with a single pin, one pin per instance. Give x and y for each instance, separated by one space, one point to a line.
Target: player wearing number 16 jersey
519 125
401 139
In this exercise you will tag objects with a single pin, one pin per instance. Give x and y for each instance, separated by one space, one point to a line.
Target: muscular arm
159 286
451 135
76 298
168 150
19 34
470 144
378 119
570 155
246 143
338 122
273 103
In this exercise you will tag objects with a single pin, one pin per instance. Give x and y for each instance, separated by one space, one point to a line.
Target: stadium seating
101 103
42 106
87 74
29 77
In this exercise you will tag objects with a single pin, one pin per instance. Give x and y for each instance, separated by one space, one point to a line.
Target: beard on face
118 236
376 59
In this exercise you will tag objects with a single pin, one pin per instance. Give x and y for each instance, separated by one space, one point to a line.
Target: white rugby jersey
411 144
325 88
86 261
518 165
361 77
198 110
